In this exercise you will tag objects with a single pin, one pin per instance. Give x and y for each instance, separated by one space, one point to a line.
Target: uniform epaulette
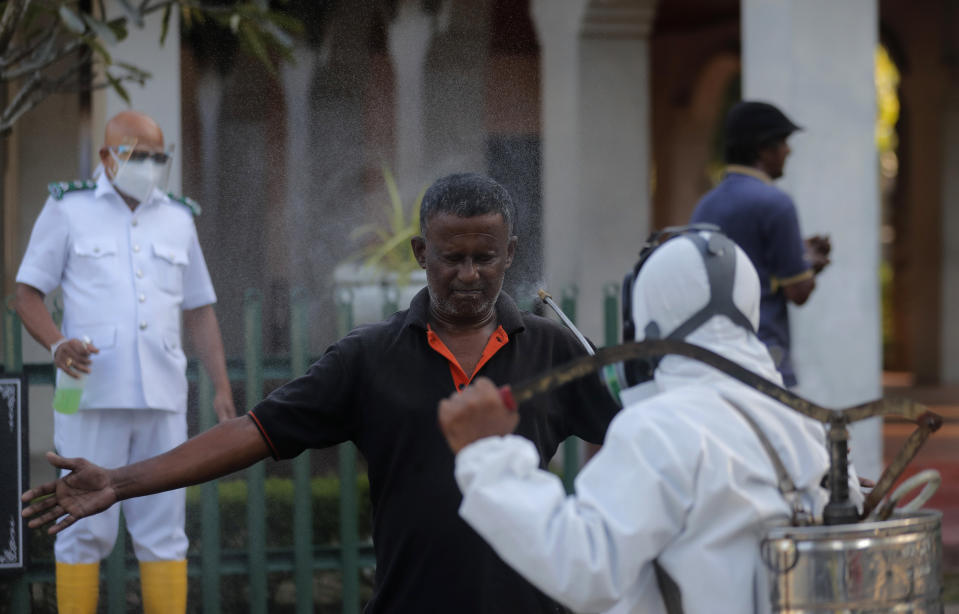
59 188
187 201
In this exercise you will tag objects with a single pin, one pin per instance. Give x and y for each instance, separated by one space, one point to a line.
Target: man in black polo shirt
379 387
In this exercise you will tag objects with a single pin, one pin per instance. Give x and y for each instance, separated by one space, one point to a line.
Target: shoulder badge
188 202
59 188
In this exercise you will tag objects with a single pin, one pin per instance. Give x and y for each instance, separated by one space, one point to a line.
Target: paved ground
941 452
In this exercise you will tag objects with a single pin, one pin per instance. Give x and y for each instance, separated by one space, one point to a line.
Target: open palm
85 491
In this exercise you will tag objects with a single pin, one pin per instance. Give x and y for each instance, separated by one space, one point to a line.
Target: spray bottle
69 390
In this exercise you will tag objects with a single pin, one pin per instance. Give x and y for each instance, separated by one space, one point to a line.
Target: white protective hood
670 288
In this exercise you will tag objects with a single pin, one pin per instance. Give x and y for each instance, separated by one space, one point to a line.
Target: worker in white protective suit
668 516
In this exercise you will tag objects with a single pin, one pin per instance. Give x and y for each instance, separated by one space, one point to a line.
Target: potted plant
383 276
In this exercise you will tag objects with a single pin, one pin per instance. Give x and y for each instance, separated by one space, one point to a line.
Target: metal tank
870 567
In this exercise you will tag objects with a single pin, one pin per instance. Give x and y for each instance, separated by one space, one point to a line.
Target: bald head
128 125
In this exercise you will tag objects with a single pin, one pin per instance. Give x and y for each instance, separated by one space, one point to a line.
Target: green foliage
887 101
262 33
950 586
887 319
325 492
50 46
387 245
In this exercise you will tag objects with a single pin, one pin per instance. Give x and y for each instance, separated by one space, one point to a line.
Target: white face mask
137 179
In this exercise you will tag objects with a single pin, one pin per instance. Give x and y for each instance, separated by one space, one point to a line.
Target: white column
790 51
614 136
409 39
209 99
160 96
297 80
557 27
455 85
949 371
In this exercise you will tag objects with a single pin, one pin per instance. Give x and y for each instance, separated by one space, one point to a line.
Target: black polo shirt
379 387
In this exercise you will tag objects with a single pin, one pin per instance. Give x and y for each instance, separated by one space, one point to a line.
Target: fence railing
301 558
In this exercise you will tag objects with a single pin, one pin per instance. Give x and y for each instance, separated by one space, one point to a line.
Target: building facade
602 118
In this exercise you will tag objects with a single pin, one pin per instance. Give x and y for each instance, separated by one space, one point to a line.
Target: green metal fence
302 558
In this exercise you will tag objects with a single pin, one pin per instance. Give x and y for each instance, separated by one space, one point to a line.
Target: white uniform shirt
126 275
681 478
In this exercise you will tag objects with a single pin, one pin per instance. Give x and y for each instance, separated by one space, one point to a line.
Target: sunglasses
138 155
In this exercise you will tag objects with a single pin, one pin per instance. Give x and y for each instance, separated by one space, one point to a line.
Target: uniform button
143 325
139 273
133 223
142 297
96 250
136 247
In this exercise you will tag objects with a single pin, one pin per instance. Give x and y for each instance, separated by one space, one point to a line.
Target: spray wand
505 392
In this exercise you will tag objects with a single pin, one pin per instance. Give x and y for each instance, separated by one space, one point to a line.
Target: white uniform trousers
113 438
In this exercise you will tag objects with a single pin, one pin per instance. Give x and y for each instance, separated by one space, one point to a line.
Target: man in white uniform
127 258
681 483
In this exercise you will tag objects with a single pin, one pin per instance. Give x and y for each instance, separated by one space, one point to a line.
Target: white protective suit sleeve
585 551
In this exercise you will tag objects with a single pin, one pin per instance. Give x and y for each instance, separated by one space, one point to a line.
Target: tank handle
929 479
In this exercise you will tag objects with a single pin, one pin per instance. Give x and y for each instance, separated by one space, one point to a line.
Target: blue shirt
762 220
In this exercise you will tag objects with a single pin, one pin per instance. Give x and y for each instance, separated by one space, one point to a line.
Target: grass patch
950 587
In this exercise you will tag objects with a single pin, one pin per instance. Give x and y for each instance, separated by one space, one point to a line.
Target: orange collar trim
461 380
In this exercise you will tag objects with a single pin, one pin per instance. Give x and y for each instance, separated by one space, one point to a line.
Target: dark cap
751 122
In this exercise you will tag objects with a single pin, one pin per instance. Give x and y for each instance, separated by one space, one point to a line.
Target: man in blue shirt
762 219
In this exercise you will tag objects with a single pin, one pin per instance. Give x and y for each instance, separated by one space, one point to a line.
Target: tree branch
12 14
44 61
43 56
21 98
36 89
29 47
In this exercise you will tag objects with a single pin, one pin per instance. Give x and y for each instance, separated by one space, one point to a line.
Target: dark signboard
13 471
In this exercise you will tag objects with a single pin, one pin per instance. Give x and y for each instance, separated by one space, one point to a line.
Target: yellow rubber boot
164 586
78 587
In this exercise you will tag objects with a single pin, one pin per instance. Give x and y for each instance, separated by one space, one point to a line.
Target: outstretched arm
89 489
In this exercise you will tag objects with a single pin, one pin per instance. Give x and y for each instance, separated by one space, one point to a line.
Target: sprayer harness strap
719 259
668 590
784 483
